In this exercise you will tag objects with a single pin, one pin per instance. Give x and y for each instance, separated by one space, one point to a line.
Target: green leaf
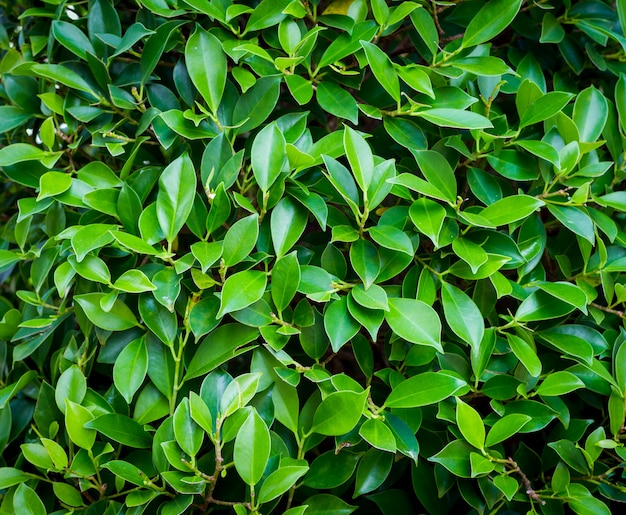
72 38
240 240
575 220
241 290
162 322
252 448
10 476
470 424
279 481
130 368
455 118
63 75
20 152
392 238
526 354
327 504
220 346
455 457
285 280
474 255
567 292
189 435
339 324
72 385
383 69
559 383
365 261
374 297
438 172
373 470
540 305
423 389
378 435
287 223
118 318
269 157
133 281
267 14
207 66
414 321
122 429
337 101
406 133
360 157
463 316
177 189
506 427
510 209
53 183
591 112
428 216
544 107
339 413
239 392
492 19
26 501
76 418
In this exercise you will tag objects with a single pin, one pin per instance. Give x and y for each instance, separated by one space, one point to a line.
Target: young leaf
252 448
206 65
470 424
242 289
177 189
492 19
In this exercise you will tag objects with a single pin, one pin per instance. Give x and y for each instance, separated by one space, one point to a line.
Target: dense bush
289 257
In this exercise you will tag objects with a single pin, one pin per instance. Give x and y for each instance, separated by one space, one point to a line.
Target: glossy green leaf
383 69
242 289
252 448
285 280
206 65
118 318
177 188
544 107
526 354
378 435
339 413
279 481
462 314
414 321
122 429
423 389
470 424
490 20
287 223
130 368
339 324
506 427
240 240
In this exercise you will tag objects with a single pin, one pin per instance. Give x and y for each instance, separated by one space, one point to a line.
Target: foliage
359 256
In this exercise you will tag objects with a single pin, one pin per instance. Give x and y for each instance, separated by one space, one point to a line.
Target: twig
620 314
525 481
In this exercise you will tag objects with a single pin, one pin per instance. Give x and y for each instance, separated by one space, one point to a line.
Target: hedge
292 256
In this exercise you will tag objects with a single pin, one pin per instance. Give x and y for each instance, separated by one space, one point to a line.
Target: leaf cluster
312 257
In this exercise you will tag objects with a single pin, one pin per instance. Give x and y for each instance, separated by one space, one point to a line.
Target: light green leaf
559 383
455 118
378 435
462 315
242 289
544 107
339 324
526 354
240 240
591 112
423 389
470 424
438 172
252 448
118 318
506 427
285 280
177 189
279 481
207 66
339 413
492 19
414 321
130 368
287 223
428 216
510 209
383 69
269 156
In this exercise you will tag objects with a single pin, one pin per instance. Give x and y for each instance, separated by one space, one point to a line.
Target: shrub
298 258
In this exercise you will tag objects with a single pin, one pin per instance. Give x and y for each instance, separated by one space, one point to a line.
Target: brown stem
620 314
525 481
